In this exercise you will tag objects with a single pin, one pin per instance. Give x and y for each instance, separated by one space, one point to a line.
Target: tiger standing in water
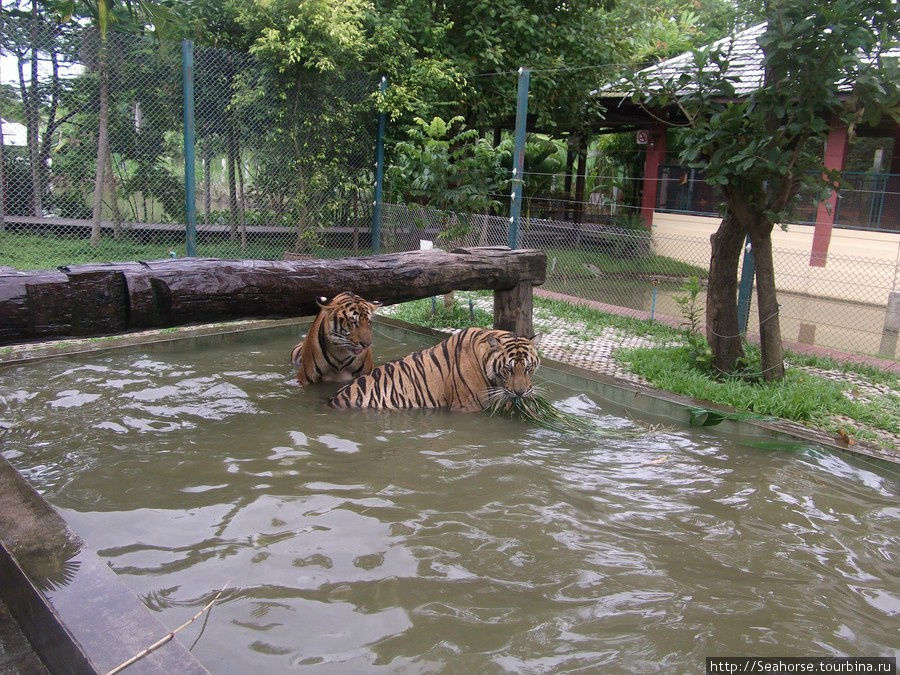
338 346
468 371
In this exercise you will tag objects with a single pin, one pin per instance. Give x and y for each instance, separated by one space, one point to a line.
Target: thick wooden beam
105 298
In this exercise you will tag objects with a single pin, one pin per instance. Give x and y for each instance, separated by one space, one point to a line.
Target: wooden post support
513 309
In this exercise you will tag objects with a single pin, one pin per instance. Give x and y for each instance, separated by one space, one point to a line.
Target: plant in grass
691 311
596 322
537 410
825 66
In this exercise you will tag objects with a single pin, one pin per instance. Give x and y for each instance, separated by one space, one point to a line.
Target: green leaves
705 417
764 146
316 35
444 165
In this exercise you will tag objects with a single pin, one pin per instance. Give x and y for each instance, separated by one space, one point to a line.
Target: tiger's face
350 324
511 365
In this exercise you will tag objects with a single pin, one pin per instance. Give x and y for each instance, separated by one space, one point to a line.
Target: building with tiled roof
745 72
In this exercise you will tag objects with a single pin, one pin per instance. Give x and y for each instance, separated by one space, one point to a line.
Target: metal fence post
745 291
518 169
190 203
379 173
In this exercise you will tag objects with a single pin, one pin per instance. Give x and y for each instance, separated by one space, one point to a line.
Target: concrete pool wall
70 605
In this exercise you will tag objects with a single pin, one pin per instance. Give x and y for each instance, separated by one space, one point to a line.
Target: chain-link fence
282 177
641 273
865 199
284 168
276 175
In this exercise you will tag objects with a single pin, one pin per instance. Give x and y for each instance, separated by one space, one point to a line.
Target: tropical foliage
823 64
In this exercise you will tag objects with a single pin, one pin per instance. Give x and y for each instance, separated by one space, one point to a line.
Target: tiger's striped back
464 372
338 346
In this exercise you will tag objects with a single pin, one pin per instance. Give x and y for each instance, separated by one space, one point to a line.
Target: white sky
9 73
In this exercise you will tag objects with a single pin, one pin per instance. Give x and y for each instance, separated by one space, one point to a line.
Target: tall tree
134 15
460 58
310 53
822 66
32 34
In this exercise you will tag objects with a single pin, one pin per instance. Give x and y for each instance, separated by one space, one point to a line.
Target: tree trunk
302 245
110 179
579 182
113 297
721 299
50 129
207 189
31 100
102 144
302 199
570 166
769 324
232 187
2 179
355 206
242 211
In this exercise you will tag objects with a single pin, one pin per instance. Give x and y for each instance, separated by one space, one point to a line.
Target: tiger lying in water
338 346
467 371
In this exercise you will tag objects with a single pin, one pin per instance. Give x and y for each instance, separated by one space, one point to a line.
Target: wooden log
18 293
113 297
35 305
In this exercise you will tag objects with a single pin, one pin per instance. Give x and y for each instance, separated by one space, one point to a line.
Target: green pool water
357 541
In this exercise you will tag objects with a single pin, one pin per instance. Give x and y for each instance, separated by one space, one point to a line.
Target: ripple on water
360 542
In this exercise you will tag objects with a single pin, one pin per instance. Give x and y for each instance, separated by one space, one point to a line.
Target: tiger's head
349 321
511 362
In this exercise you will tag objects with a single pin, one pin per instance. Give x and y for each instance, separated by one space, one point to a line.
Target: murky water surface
438 542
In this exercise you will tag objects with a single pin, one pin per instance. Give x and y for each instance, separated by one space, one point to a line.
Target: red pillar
890 219
835 156
656 152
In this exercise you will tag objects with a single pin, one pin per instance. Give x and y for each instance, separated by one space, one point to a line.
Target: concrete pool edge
26 352
73 609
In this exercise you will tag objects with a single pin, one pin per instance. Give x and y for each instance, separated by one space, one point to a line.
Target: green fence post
379 174
190 205
518 169
745 291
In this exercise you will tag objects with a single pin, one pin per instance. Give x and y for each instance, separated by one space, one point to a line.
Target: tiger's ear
321 301
536 340
493 342
375 303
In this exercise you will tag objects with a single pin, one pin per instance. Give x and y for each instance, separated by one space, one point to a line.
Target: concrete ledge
70 605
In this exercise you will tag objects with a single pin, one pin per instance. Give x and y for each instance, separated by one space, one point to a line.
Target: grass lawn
26 251
574 263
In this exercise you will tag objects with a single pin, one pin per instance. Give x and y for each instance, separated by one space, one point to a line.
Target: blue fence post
745 291
190 197
379 173
518 168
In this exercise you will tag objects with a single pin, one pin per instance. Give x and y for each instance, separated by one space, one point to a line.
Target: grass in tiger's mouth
537 410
